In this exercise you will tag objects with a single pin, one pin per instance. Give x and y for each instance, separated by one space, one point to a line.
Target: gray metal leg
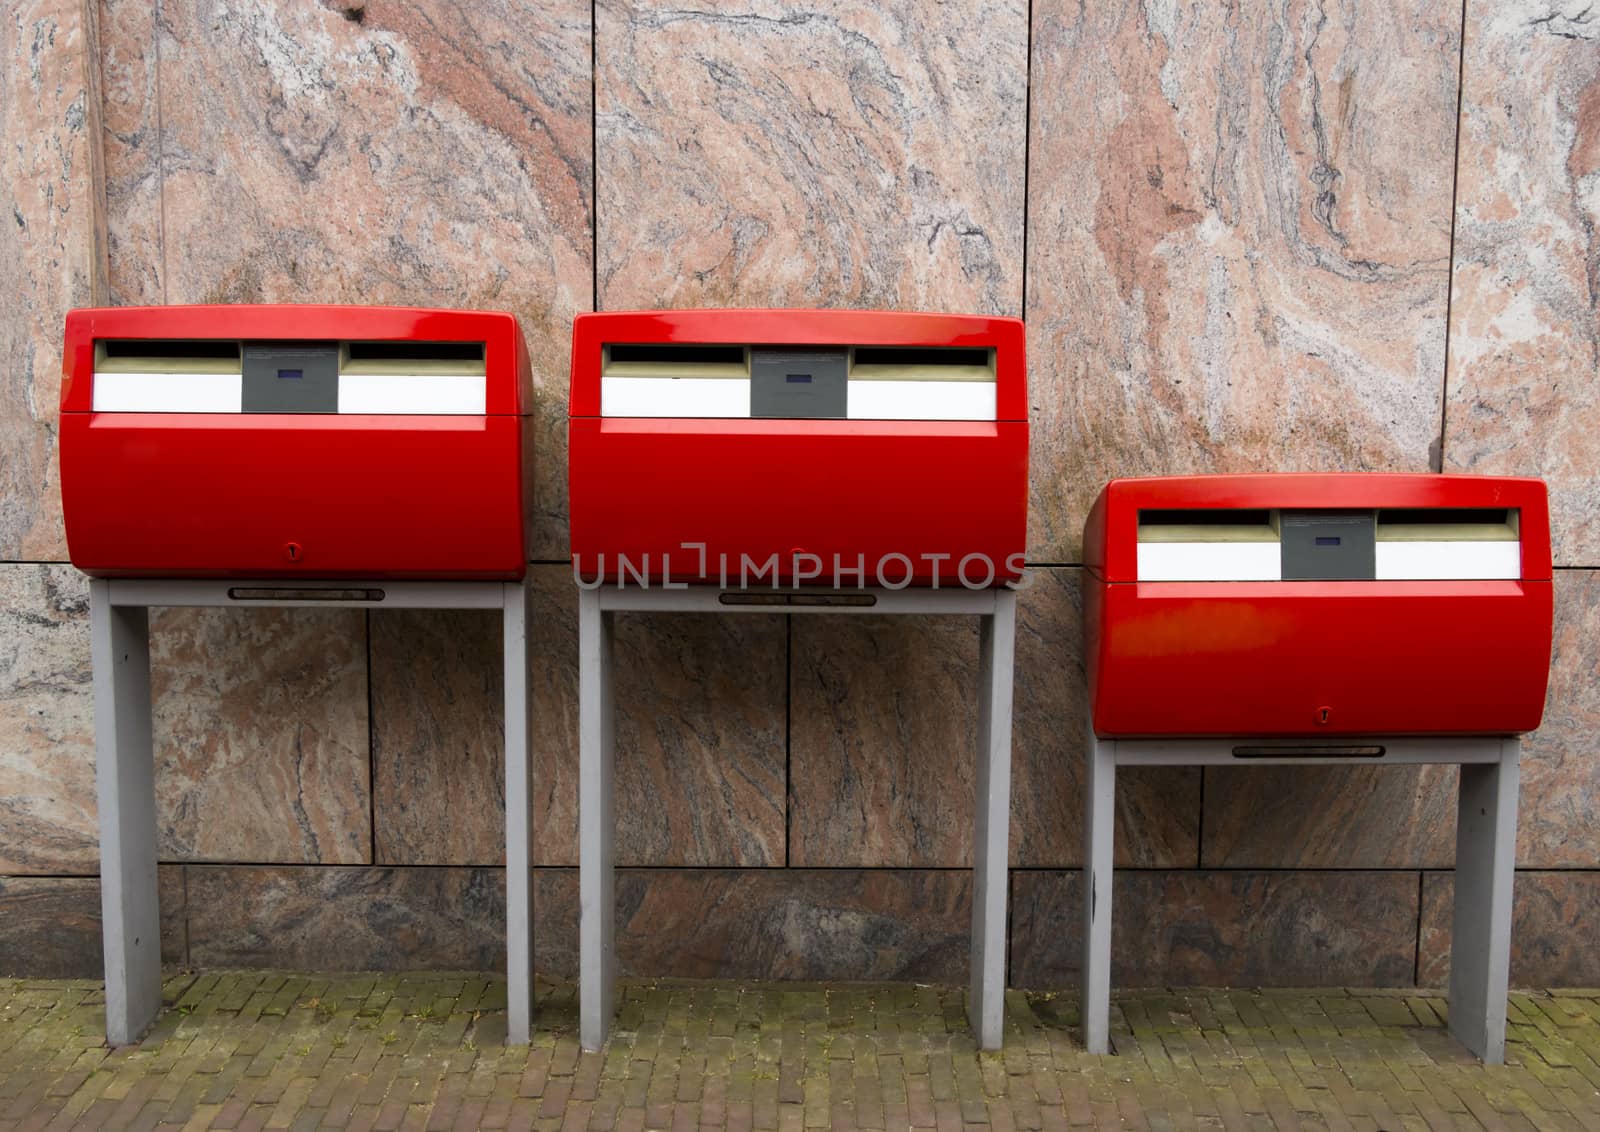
997 649
597 826
130 918
1480 940
1100 796
519 794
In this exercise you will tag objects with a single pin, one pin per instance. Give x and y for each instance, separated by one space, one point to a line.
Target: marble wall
1335 235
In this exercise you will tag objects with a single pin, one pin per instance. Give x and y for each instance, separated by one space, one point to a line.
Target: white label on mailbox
168 393
1210 562
413 394
1447 561
920 400
674 397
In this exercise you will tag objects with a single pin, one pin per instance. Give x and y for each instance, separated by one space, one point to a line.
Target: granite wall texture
1302 235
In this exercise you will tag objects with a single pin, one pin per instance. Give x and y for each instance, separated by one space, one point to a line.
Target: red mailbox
766 447
1307 605
296 441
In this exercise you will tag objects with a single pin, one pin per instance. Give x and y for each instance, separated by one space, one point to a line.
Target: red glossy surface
642 488
1264 658
224 494
935 492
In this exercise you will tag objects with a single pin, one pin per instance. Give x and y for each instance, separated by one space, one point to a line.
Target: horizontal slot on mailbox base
780 599
408 351
1309 752
675 354
922 356
291 593
171 348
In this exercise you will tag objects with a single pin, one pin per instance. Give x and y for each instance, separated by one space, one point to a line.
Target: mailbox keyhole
292 551
1323 713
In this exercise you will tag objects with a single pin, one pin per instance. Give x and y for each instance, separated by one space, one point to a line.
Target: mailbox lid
687 495
1111 531
1268 658
815 329
373 497
507 373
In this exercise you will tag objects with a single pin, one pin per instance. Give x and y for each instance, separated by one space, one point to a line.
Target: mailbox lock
1322 715
293 551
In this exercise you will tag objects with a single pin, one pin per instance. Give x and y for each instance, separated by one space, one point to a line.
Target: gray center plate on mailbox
291 377
798 383
1331 546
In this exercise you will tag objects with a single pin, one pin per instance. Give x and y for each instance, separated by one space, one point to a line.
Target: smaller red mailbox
1306 605
295 441
759 447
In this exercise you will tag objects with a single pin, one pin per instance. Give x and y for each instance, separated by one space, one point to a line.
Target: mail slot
785 447
296 441
1318 605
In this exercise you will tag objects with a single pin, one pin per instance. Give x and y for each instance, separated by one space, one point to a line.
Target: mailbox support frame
1486 843
125 768
597 606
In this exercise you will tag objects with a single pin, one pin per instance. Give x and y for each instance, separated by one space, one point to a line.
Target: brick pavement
256 1049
